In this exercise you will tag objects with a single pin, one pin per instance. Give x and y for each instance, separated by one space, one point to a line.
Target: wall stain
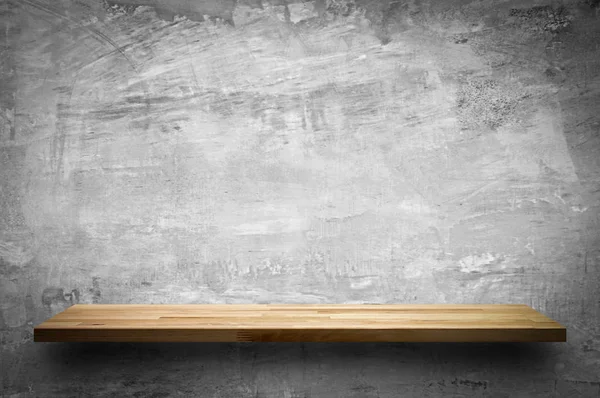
55 299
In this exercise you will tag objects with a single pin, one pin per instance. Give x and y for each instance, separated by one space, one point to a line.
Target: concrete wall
320 152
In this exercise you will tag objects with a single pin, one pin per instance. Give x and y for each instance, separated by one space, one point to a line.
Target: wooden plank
300 323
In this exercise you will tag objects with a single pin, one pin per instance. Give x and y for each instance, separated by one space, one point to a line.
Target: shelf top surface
304 316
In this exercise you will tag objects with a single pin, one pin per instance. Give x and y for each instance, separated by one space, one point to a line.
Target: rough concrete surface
204 151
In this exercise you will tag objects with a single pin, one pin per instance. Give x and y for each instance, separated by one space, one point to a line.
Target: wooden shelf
299 323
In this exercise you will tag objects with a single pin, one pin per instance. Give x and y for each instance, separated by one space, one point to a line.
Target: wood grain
299 323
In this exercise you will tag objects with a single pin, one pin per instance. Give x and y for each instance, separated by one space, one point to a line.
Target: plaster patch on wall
12 305
543 150
269 227
477 263
194 10
301 11
7 124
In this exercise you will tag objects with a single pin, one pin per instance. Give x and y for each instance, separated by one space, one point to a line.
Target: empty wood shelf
299 323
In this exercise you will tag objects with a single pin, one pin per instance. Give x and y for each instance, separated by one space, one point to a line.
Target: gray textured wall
322 152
